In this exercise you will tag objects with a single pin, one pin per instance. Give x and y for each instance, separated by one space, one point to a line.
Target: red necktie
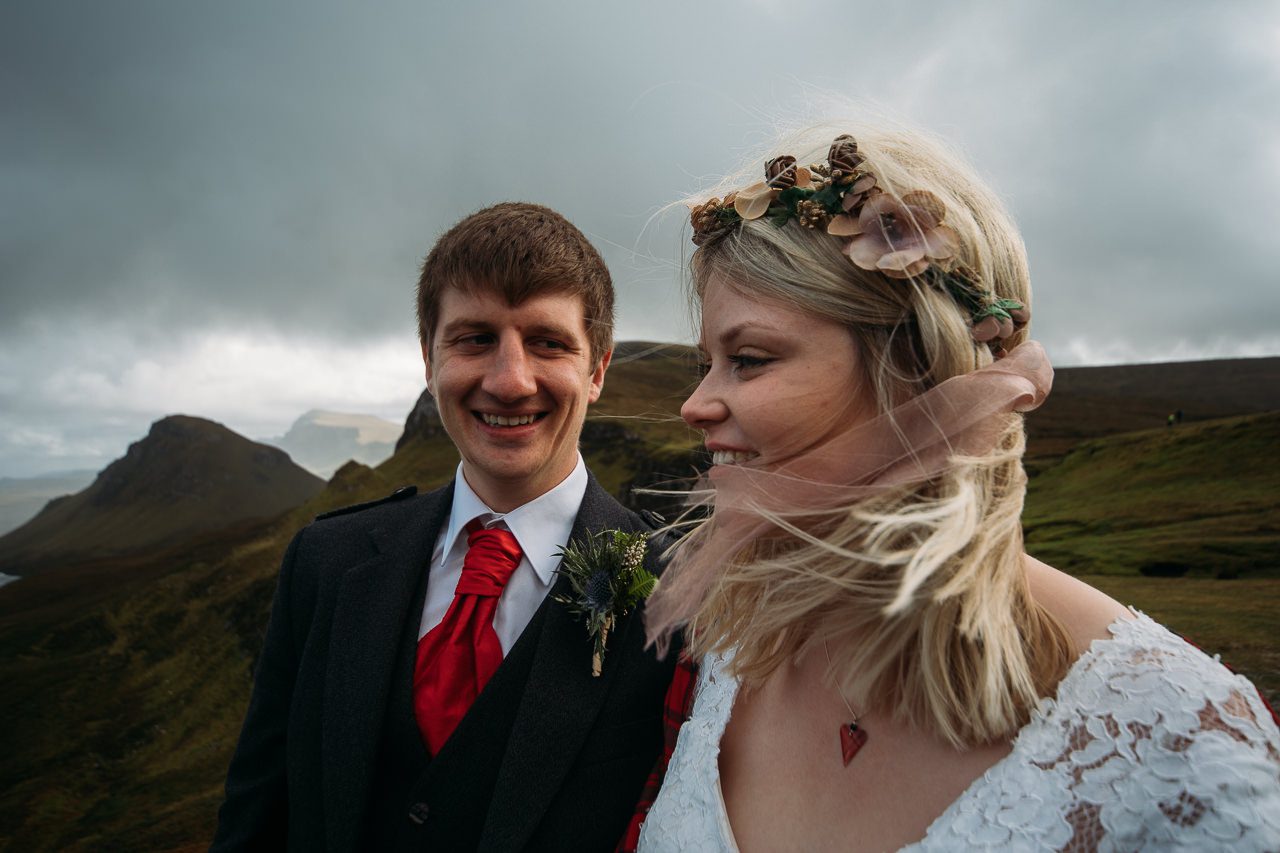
457 657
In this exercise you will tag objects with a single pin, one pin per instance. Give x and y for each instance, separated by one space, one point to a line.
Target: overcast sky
218 208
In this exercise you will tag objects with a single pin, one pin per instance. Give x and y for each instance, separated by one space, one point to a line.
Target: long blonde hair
920 590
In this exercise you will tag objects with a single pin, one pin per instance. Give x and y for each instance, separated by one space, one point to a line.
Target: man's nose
511 376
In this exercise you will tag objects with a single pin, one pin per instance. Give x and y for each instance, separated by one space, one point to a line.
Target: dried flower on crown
902 237
899 237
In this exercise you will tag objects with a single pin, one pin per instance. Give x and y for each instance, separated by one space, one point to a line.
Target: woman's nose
704 407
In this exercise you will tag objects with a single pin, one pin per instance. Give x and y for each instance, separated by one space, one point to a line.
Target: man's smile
508 420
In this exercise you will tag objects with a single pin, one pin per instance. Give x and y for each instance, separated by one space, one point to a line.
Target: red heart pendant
852 739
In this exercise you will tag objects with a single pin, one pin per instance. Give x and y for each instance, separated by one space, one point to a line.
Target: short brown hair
519 250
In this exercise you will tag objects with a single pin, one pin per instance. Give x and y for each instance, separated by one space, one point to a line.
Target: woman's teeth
731 457
515 420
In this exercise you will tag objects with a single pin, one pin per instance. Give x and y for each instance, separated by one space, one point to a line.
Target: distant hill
1089 402
634 436
126 680
322 441
188 476
22 497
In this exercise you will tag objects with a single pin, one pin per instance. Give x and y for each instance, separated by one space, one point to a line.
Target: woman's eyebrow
733 332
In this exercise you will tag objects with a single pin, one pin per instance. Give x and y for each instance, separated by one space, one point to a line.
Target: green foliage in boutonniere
608 578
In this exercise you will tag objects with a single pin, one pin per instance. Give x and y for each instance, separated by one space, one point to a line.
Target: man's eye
479 339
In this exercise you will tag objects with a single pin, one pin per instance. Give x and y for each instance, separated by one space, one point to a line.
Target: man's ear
597 377
426 361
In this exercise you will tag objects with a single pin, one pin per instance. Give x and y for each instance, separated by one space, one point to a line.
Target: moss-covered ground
125 681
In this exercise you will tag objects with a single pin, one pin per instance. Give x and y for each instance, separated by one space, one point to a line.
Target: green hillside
1197 499
126 679
1232 618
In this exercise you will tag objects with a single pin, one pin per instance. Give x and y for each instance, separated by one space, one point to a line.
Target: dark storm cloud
206 163
188 161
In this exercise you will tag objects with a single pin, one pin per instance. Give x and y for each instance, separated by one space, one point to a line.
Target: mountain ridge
187 476
321 441
127 678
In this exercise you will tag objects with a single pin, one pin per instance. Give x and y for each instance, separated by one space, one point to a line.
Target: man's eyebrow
463 325
551 330
467 324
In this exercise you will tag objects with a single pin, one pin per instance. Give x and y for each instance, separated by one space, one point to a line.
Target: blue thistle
598 593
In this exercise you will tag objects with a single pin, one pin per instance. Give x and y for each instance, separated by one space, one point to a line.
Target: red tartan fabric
676 709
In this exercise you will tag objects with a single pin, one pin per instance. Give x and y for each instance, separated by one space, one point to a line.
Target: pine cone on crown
703 217
844 155
780 172
705 220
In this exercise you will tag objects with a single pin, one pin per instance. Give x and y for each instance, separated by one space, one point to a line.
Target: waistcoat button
418 812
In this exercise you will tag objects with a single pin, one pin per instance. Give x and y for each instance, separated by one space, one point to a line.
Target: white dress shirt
542 527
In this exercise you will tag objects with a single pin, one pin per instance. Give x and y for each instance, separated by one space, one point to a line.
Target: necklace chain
839 692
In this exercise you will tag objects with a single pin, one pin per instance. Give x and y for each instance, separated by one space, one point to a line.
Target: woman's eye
748 362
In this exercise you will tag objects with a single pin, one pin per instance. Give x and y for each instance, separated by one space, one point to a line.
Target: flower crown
900 237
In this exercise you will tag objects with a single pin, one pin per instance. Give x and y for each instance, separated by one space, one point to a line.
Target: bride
880 665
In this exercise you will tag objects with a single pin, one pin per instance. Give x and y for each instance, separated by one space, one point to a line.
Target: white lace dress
1150 744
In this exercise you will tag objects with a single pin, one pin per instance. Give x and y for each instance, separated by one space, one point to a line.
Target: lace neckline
1044 711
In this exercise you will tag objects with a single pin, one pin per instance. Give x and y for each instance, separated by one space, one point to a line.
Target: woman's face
778 381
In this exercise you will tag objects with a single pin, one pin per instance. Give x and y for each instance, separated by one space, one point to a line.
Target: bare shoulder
1085 612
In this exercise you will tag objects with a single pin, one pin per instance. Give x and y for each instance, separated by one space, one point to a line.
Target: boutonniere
608 578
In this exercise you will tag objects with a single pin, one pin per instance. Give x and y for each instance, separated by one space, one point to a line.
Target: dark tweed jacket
548 758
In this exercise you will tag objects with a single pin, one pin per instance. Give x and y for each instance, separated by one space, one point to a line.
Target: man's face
512 385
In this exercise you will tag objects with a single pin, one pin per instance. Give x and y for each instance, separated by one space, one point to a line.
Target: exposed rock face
423 421
188 476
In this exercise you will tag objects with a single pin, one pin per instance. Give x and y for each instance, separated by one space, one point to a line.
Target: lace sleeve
1150 744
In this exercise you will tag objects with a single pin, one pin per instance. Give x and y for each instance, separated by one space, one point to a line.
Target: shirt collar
542 526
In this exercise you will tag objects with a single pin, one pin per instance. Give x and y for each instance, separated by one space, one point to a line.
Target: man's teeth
731 457
515 420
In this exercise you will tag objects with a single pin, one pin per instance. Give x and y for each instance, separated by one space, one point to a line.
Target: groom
420 688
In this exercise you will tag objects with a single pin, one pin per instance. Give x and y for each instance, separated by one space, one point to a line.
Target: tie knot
492 555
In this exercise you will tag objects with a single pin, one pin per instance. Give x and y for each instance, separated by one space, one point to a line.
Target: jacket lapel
372 605
560 701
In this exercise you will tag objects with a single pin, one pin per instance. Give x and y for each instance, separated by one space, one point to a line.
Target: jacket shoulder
400 494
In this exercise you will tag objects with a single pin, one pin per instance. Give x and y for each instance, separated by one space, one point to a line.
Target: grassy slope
1199 499
126 682
128 697
1235 619
145 665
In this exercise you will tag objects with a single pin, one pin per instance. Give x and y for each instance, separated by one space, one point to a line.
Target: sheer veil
963 416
